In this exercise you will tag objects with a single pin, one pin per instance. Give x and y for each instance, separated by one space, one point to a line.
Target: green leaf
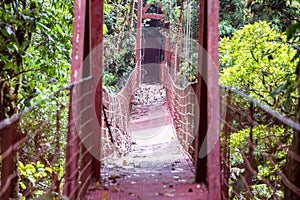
30 168
291 31
8 65
105 29
21 165
23 186
42 27
40 165
48 169
297 55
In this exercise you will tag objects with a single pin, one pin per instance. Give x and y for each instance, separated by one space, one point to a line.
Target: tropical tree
257 60
35 50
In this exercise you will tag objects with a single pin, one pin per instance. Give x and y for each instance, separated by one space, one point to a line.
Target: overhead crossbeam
146 15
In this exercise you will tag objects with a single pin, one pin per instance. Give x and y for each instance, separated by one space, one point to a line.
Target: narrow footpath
157 167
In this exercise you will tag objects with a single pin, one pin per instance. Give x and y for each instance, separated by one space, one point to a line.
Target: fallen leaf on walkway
104 195
112 177
131 194
98 184
176 177
164 194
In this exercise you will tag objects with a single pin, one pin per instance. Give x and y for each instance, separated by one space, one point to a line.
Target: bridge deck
156 168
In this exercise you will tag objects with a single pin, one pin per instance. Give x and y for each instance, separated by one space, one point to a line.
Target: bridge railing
115 118
42 155
258 151
33 146
183 107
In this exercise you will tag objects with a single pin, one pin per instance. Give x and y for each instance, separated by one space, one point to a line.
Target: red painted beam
87 44
201 92
153 16
96 31
9 178
207 90
76 73
146 8
138 49
213 139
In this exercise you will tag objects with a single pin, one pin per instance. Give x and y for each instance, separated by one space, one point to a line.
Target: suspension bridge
153 139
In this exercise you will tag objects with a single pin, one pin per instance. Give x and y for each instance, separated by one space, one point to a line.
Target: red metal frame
77 60
88 35
207 89
146 15
138 52
213 159
96 30
208 38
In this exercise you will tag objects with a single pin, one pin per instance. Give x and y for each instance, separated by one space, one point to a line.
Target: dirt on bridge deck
157 167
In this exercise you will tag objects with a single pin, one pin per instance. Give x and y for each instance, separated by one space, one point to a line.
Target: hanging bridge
153 139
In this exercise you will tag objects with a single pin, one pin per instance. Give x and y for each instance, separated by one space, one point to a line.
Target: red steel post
201 93
139 41
207 90
213 112
96 39
76 71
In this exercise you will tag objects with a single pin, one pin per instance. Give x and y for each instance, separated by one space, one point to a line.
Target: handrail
118 112
6 122
183 106
274 113
265 143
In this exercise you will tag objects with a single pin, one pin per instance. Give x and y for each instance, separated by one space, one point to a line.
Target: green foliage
170 8
119 44
31 172
233 15
119 60
236 14
189 69
35 46
293 35
267 139
257 60
46 131
119 17
35 52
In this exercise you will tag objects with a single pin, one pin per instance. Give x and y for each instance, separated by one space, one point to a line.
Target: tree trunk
9 173
293 167
131 13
